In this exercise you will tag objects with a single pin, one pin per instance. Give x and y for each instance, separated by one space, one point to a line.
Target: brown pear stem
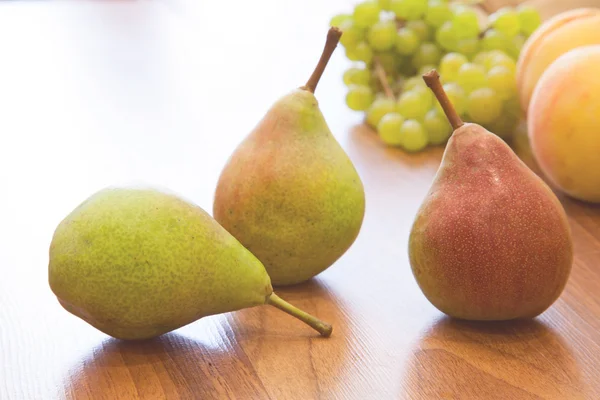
432 79
322 327
382 76
333 37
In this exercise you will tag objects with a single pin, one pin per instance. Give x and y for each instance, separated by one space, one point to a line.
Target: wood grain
101 93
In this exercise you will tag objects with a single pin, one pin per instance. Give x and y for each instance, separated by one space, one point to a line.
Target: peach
559 34
564 123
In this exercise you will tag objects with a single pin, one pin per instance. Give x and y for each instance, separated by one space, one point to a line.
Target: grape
457 97
352 34
357 76
420 28
495 40
503 127
517 44
468 47
450 64
529 19
407 41
389 129
484 105
380 107
366 14
359 97
427 53
425 69
384 4
502 80
506 21
480 58
497 57
438 12
408 9
465 23
471 76
437 126
414 82
338 20
412 135
446 36
414 103
361 52
406 68
389 61
382 35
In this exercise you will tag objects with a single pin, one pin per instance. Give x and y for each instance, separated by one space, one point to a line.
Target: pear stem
322 327
382 76
333 37
432 79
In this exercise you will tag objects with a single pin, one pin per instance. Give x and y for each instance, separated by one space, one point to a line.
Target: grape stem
382 76
333 37
322 327
432 79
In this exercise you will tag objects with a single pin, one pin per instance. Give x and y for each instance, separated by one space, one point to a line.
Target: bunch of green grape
393 42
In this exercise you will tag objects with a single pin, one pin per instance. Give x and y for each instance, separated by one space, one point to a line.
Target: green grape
437 126
502 80
503 127
338 20
497 57
480 58
468 47
471 76
438 12
495 40
414 103
389 61
506 21
466 23
361 52
450 64
382 35
380 107
457 97
384 4
414 82
427 53
357 76
446 36
517 44
407 41
366 14
359 97
529 19
484 105
389 129
408 9
425 69
406 68
420 28
413 136
352 34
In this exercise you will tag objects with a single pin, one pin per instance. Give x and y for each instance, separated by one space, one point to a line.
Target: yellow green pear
137 263
289 193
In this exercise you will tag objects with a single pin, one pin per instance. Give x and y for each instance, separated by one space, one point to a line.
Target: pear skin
289 193
137 263
491 241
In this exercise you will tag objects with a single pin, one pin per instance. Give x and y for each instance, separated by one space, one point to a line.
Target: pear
137 263
491 241
289 193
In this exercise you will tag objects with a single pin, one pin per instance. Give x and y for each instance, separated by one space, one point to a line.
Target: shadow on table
492 360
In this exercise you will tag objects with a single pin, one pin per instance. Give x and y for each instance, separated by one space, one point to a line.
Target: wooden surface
94 94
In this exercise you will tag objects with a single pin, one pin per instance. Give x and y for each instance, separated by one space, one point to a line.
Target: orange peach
564 123
563 32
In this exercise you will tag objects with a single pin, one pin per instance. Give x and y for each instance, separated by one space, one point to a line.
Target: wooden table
94 94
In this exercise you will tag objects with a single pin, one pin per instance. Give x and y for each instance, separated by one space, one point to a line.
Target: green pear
289 193
491 241
137 263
